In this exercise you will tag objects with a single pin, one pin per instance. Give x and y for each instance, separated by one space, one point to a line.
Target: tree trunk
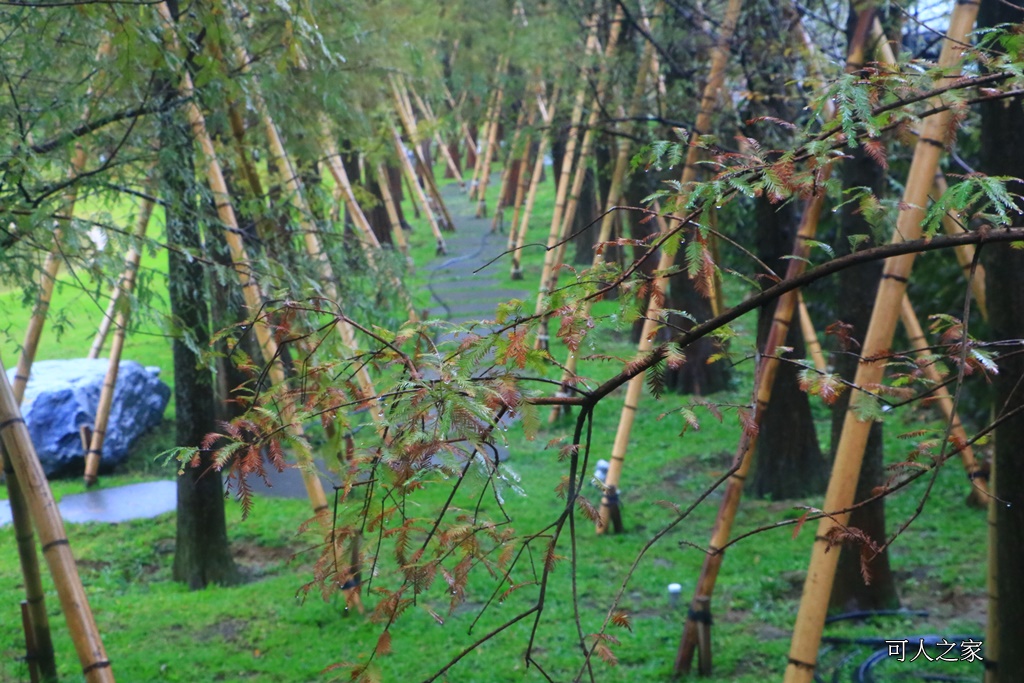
1002 153
202 554
788 461
585 223
857 288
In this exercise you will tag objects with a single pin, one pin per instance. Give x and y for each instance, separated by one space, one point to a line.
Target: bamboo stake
582 162
53 259
124 289
919 343
554 233
512 161
811 337
405 114
247 278
952 223
766 373
37 631
531 195
522 183
27 471
463 126
648 65
417 191
397 233
850 453
38 634
479 151
492 141
702 125
992 629
125 285
445 152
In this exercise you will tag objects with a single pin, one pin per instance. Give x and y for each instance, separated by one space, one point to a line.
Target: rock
63 395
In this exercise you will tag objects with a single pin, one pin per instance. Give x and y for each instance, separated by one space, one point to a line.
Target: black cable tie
702 616
102 664
7 423
54 544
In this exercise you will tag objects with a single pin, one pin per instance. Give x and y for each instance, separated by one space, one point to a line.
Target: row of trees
319 327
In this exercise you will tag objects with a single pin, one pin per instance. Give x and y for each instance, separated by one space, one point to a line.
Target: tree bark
202 554
1002 153
788 461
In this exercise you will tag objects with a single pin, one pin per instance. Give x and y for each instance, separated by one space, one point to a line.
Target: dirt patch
230 630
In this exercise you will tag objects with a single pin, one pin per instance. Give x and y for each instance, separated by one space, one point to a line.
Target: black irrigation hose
880 647
865 675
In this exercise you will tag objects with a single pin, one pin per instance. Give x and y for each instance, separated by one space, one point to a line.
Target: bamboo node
7 423
802 664
53 544
102 664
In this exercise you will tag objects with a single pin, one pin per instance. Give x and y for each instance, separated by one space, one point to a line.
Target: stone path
457 294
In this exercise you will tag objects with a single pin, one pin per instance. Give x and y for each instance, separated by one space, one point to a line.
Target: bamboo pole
478 150
417 191
397 233
428 112
124 290
716 78
531 194
699 615
462 125
290 178
522 182
124 285
38 640
554 233
38 634
992 629
53 259
28 473
649 65
919 343
811 337
952 223
850 452
512 161
583 161
405 115
492 141
242 266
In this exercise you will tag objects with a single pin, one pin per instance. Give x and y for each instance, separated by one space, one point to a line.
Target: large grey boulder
63 395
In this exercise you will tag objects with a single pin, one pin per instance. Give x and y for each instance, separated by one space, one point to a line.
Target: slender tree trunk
1002 153
788 462
202 554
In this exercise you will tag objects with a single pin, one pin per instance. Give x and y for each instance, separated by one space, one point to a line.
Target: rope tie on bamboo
13 421
102 664
802 664
21 378
611 498
977 474
53 544
897 278
700 616
932 141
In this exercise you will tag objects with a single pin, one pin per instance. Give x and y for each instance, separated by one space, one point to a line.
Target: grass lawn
155 630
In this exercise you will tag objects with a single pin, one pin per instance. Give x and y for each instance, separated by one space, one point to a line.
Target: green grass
155 630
